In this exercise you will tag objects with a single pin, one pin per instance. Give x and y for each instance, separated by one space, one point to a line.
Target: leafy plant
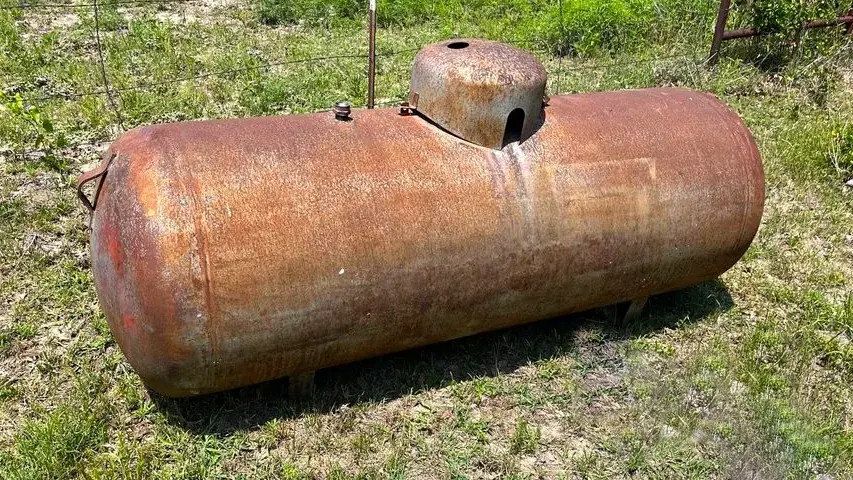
788 16
30 128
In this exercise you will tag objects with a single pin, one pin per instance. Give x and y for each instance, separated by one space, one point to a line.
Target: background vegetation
746 377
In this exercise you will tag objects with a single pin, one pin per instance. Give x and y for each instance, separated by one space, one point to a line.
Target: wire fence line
113 94
121 3
170 3
231 71
219 73
107 89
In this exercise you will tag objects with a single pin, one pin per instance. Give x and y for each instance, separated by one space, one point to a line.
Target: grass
53 444
745 377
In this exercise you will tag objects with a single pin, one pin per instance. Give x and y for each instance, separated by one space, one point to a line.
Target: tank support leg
301 385
634 310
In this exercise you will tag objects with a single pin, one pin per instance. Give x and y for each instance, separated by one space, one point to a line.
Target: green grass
576 26
746 377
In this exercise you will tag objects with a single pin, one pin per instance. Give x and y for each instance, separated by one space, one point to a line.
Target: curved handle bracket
99 173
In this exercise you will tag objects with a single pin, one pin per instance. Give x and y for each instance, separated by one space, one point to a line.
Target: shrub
587 26
24 126
787 16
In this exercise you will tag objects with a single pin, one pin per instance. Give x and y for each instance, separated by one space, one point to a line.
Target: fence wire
113 98
121 4
103 68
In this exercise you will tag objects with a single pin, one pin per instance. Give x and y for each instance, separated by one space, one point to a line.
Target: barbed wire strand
326 109
26 153
104 68
76 95
398 52
68 96
109 91
631 62
697 62
123 4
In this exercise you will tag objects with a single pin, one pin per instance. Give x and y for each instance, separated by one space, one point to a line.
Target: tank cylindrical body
231 252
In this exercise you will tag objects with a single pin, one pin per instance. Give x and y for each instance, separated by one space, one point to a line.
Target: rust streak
203 251
297 258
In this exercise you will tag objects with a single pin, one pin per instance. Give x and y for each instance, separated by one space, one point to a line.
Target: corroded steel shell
231 252
470 87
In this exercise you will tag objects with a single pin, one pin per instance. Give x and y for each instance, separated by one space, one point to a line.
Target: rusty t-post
371 55
719 30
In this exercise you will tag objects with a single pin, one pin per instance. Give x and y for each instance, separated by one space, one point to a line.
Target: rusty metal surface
98 174
469 87
230 252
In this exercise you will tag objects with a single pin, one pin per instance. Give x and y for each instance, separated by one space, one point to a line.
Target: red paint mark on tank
129 322
437 255
115 249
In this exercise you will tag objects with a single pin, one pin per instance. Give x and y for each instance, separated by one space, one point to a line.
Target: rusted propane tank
230 252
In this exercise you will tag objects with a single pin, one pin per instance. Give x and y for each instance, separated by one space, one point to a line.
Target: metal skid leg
301 386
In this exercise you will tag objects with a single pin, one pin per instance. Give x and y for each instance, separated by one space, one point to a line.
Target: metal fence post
719 29
371 55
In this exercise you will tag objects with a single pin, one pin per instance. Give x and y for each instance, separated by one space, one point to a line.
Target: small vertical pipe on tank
371 55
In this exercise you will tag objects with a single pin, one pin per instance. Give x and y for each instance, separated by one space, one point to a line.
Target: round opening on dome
457 45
